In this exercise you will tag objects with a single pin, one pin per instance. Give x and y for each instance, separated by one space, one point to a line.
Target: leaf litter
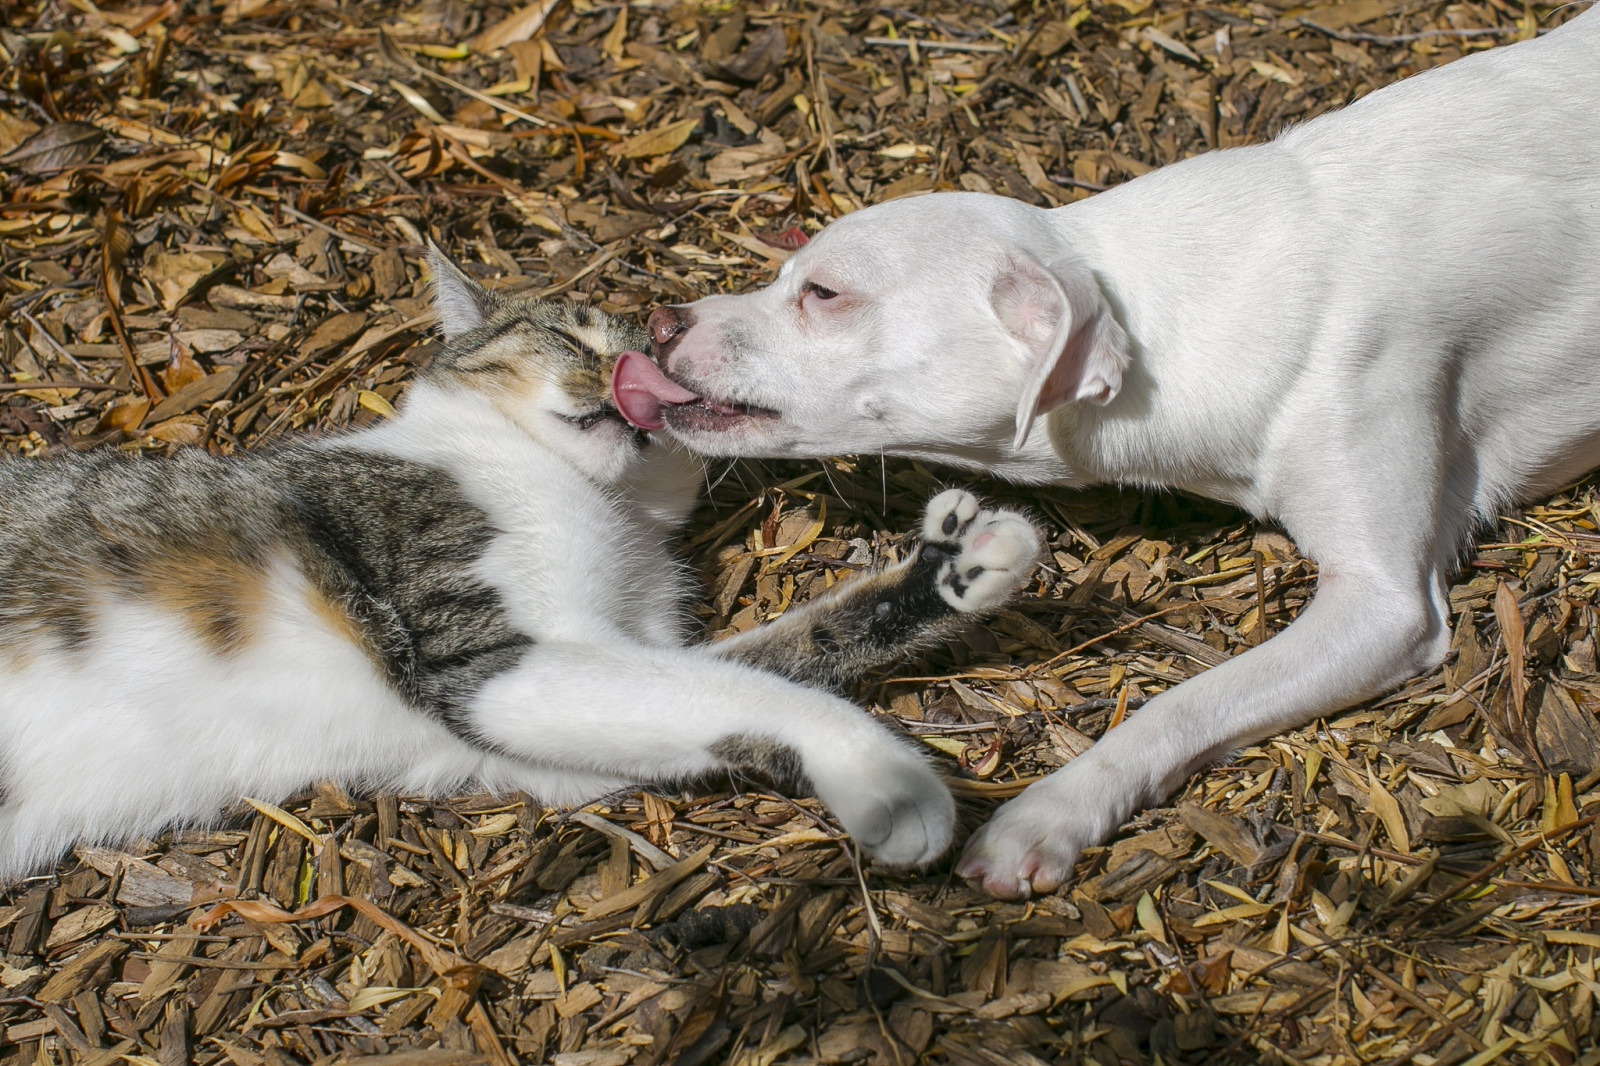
212 218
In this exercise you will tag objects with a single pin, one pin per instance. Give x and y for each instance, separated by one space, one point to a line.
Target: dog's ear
1074 347
459 302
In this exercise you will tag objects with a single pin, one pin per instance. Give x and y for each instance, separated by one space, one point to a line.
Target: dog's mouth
649 400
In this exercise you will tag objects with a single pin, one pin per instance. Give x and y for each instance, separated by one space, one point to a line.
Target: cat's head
546 365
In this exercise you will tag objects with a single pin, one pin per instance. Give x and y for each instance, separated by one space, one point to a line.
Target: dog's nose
666 325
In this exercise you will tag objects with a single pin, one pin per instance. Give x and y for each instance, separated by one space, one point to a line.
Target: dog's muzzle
666 327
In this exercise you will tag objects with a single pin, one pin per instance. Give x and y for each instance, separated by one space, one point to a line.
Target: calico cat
478 592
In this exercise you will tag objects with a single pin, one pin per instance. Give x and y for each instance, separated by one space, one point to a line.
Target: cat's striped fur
476 592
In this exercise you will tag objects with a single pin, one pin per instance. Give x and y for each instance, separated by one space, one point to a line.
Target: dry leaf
658 141
197 393
174 274
125 414
14 130
181 368
56 147
1387 809
375 403
518 26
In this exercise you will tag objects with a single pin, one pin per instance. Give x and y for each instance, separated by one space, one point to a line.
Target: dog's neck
1203 439
1035 463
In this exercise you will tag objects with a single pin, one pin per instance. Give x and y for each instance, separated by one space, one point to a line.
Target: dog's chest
1150 448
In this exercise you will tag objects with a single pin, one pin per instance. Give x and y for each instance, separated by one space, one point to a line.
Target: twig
654 856
370 249
1405 38
1071 182
1488 871
594 264
938 46
933 20
28 299
51 341
1418 1002
21 386
1552 887
875 928
204 962
1138 622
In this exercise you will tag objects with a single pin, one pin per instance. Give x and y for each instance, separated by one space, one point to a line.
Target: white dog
1376 330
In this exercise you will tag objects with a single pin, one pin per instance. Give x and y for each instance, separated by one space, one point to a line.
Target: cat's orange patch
338 620
220 598
217 595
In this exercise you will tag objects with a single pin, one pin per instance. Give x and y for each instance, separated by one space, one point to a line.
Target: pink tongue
639 388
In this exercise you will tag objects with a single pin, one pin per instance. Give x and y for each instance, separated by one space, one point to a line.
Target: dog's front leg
1360 636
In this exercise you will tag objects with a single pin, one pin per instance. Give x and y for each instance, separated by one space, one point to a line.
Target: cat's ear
459 302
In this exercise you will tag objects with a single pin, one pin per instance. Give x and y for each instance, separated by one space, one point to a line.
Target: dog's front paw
984 556
1029 846
892 803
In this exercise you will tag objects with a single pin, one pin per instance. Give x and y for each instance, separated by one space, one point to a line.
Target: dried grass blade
807 537
288 821
392 54
1509 615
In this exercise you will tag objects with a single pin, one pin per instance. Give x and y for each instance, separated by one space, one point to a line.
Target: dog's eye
820 292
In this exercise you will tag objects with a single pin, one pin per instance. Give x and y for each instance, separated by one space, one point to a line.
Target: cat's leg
648 714
971 560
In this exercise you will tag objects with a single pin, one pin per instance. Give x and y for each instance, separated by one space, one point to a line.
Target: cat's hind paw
983 555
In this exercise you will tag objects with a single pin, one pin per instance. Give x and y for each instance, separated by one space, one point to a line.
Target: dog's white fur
1376 330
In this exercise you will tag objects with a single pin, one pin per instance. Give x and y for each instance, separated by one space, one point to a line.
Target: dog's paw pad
1027 849
983 555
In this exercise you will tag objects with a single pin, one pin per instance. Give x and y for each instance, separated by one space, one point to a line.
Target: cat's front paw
890 801
984 556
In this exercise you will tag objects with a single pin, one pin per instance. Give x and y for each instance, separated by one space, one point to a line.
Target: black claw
950 523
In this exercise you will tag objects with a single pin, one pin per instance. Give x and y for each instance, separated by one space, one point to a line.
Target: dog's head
940 326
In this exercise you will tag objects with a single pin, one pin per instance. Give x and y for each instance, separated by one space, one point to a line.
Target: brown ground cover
211 217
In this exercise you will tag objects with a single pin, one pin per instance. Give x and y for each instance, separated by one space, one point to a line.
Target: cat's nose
665 326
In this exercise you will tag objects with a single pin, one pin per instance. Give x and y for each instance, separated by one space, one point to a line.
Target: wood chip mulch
211 216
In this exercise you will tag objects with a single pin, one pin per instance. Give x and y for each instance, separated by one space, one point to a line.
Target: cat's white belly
147 726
